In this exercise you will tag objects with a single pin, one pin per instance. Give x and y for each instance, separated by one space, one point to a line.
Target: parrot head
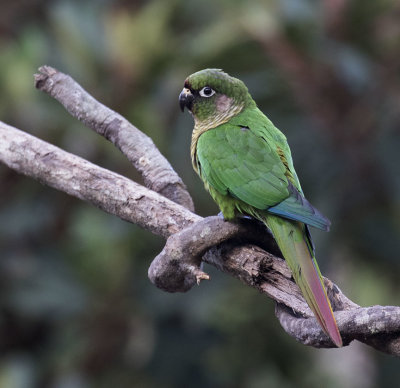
213 97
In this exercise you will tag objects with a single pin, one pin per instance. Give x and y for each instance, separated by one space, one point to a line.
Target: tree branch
177 268
107 190
191 239
140 150
183 252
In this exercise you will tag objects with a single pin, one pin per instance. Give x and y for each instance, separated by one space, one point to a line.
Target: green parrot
246 165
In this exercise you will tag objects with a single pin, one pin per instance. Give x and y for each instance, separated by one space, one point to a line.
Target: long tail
298 252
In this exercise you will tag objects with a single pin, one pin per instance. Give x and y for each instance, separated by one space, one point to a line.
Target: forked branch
191 240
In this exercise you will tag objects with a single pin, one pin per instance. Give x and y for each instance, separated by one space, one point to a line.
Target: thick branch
255 267
107 190
377 326
140 150
191 239
177 268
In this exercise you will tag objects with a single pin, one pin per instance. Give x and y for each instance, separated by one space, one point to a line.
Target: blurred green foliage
76 307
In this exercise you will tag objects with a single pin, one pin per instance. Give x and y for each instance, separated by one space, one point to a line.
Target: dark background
76 307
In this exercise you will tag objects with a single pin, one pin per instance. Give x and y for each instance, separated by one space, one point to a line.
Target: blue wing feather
296 207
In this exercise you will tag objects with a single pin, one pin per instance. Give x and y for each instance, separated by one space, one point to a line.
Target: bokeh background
76 307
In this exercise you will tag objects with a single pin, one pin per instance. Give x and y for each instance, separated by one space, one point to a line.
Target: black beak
186 99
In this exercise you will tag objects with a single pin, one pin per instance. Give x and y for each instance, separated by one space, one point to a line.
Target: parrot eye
206 92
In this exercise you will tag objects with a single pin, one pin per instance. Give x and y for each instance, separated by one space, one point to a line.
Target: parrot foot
200 275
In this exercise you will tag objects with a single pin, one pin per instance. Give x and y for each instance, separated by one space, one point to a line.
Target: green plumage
246 165
249 158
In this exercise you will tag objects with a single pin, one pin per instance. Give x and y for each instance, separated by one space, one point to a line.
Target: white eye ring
207 92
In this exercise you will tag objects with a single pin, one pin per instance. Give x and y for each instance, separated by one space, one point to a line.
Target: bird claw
200 275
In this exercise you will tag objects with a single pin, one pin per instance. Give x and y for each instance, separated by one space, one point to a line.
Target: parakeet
246 164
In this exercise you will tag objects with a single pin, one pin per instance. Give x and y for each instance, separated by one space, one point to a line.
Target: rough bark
140 150
191 239
107 190
227 246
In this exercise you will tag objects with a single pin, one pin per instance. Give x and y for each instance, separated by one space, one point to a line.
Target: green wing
233 160
250 160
